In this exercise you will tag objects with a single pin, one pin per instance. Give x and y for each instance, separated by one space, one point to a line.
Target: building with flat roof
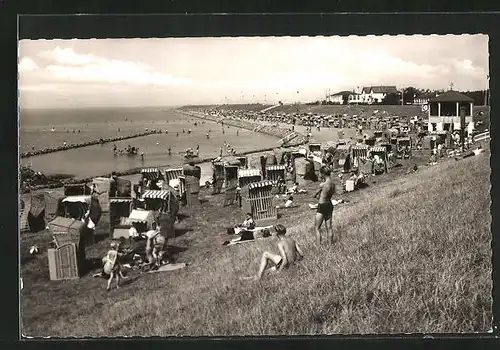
339 97
445 111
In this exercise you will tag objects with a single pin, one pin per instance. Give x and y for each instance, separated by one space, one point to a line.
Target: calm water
36 125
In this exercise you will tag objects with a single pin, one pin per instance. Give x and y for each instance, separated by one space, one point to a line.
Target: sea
46 128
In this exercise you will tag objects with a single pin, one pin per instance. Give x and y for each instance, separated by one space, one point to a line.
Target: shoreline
137 170
244 124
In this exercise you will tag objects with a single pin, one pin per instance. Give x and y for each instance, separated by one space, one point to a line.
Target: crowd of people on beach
379 119
288 250
228 117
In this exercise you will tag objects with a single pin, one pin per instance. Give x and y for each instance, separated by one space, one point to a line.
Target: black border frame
198 23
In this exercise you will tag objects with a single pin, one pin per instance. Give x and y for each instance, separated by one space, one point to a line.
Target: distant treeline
411 93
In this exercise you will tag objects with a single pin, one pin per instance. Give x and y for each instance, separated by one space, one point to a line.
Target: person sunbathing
289 252
294 188
248 224
288 203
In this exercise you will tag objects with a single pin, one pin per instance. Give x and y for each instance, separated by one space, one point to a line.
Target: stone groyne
86 144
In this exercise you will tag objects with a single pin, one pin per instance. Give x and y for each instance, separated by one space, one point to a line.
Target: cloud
211 69
69 57
87 68
27 65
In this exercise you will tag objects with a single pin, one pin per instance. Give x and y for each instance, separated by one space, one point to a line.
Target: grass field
414 256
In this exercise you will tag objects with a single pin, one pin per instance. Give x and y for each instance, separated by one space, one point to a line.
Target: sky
180 71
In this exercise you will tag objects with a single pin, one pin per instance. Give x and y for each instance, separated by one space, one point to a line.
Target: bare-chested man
325 206
289 253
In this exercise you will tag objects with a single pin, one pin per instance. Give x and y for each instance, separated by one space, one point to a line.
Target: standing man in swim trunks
325 206
289 252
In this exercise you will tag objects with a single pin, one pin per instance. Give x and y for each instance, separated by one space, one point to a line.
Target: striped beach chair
246 176
152 174
275 172
161 196
382 153
358 153
172 174
258 199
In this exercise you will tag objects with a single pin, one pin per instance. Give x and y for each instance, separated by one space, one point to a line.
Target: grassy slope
415 257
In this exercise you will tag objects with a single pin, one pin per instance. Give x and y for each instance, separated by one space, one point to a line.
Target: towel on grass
169 267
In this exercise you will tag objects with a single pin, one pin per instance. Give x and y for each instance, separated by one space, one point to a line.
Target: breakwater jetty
86 144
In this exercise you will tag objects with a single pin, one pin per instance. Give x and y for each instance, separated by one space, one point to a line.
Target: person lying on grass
289 252
249 236
288 203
